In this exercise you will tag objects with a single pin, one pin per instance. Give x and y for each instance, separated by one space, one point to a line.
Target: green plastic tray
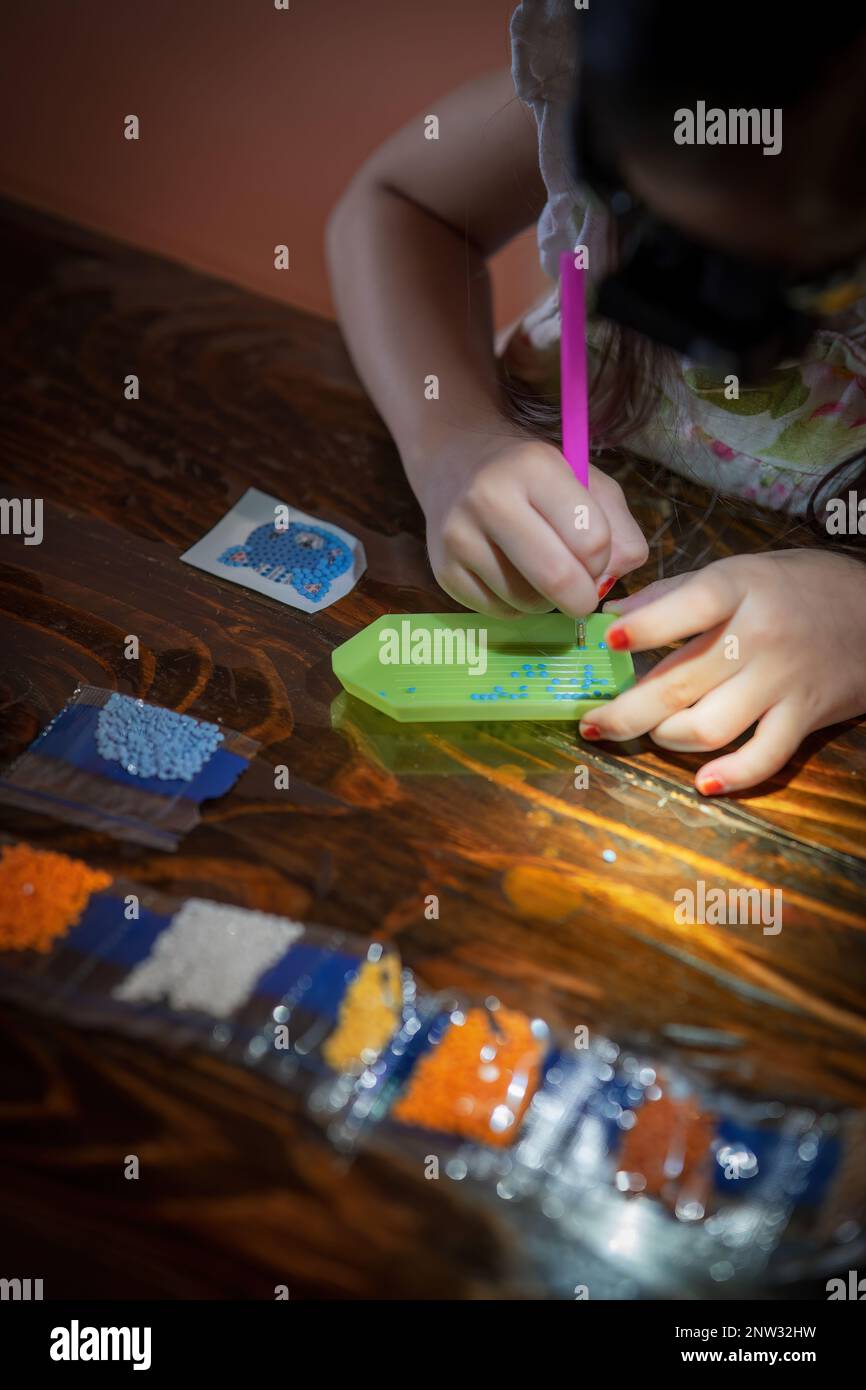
533 667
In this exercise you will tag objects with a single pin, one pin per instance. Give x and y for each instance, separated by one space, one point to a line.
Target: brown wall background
252 120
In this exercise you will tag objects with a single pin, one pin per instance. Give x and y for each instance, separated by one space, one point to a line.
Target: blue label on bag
329 975
105 933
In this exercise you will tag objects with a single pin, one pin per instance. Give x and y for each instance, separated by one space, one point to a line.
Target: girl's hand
778 638
512 531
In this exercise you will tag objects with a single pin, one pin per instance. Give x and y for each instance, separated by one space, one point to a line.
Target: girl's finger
548 566
473 593
628 546
776 739
642 597
676 683
577 517
493 568
717 719
707 598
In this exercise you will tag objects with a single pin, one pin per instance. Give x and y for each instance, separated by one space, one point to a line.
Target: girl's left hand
778 638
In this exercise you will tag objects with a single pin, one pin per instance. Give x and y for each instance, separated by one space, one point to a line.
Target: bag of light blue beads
134 770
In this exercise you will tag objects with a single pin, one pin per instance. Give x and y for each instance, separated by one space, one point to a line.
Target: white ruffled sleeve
543 65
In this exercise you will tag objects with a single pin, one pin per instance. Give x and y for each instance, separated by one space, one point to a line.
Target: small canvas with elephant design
280 551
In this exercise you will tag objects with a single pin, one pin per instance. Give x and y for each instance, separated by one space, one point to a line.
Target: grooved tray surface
459 666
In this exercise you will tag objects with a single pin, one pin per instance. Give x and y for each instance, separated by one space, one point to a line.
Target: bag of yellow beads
331 1004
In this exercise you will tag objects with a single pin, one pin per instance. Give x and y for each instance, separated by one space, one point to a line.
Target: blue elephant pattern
306 557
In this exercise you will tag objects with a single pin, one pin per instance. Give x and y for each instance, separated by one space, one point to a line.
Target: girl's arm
407 248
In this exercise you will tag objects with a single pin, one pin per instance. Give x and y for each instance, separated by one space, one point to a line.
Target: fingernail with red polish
618 638
710 786
607 583
590 731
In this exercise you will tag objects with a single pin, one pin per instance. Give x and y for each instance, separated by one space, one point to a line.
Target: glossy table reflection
237 1192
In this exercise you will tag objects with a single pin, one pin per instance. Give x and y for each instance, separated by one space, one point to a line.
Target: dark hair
634 73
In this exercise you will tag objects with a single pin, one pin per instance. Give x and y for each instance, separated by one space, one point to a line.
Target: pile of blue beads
149 741
589 683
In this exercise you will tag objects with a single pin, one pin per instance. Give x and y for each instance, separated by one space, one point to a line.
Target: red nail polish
618 638
590 731
711 786
606 585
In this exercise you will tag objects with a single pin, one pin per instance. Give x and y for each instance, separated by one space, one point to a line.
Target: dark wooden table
237 1191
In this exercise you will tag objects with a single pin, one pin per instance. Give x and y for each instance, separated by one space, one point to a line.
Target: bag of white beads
267 991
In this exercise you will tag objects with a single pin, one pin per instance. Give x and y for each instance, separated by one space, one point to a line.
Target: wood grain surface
239 1192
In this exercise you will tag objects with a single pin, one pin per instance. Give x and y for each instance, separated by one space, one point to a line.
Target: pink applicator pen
574 389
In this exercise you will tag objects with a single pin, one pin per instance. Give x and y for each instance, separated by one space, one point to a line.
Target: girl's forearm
414 301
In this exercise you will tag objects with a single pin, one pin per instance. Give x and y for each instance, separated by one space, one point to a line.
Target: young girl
408 246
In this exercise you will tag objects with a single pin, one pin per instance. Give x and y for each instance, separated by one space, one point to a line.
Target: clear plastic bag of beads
192 980
117 932
124 766
270 990
688 1192
464 1073
602 1155
46 899
328 1007
296 999
71 933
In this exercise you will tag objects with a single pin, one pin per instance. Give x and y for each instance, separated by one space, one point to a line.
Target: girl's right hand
512 531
